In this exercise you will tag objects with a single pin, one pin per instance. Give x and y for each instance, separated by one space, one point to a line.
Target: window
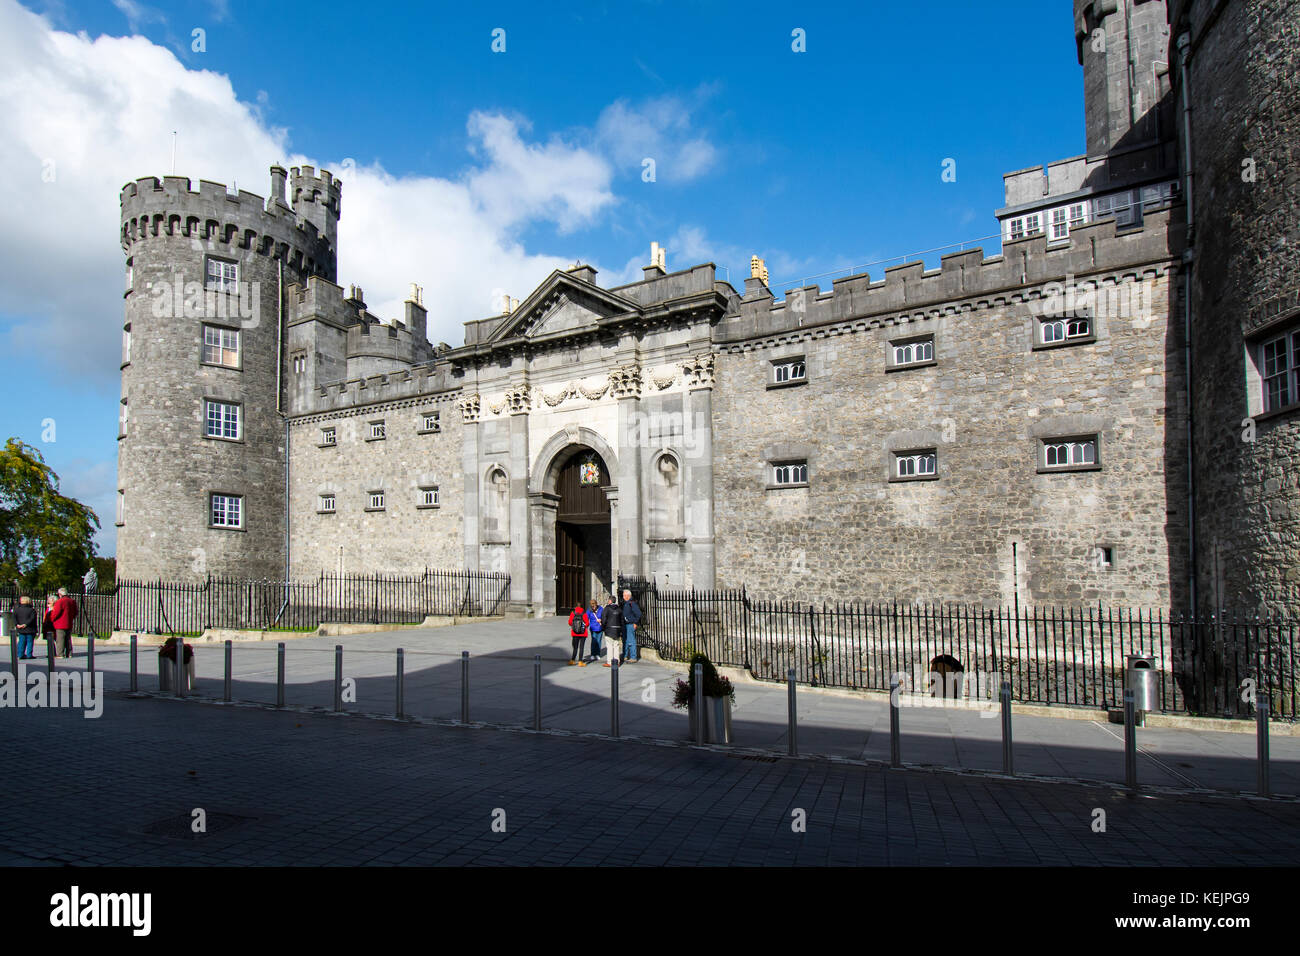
1126 211
428 496
227 511
1104 557
220 346
376 432
325 504
429 422
916 351
1070 453
376 499
299 363
1279 368
1060 227
122 419
329 437
121 507
223 276
916 464
126 344
1023 226
789 372
130 274
1058 330
790 473
222 419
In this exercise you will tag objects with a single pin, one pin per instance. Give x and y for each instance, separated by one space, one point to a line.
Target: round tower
201 451
1237 72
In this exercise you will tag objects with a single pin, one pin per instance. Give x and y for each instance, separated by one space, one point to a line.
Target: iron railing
1213 665
171 607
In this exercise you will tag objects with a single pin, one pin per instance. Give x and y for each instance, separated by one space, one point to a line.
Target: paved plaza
306 788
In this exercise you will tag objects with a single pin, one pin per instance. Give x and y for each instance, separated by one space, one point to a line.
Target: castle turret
1237 70
317 199
201 458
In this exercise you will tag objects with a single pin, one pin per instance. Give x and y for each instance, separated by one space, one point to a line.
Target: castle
1104 412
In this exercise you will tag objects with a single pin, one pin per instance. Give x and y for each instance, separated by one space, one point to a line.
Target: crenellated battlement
428 382
152 207
1092 249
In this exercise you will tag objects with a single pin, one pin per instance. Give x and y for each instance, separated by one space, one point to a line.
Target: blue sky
818 161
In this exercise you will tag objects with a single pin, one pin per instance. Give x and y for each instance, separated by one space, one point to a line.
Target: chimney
585 273
658 262
758 268
278 175
417 316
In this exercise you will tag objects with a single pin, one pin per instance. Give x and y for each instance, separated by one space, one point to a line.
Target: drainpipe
279 409
1189 256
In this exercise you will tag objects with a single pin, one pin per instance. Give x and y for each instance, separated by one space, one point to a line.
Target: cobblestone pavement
289 788
577 699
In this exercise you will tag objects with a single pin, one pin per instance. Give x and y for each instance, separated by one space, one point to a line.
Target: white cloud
658 129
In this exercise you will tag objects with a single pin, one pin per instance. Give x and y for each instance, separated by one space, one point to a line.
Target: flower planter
167 672
717 720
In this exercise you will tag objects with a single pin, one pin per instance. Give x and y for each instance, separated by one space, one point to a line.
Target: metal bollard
613 700
464 687
401 683
895 740
338 676
227 696
179 671
49 655
135 671
537 692
1008 756
1130 742
792 716
90 660
13 654
1261 742
698 704
279 674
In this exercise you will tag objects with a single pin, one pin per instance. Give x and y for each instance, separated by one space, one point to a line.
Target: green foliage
46 538
715 685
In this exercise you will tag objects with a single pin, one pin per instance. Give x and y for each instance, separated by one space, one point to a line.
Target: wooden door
570 568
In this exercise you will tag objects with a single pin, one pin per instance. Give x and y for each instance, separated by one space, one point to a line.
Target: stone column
611 492
633 435
698 477
542 508
471 464
519 398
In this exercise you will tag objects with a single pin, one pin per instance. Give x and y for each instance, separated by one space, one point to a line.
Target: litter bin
1141 677
7 625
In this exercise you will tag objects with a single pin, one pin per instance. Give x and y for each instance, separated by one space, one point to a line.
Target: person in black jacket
612 620
25 625
631 618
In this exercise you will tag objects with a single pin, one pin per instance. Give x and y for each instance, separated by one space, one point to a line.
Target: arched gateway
582 530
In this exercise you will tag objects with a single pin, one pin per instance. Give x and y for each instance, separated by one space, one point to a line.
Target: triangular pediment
562 304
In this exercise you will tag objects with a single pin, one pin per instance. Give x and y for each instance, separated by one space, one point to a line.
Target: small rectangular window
326 504
221 346
1279 370
376 499
429 496
1070 453
299 363
227 511
790 473
916 351
126 344
221 419
429 422
1065 329
1104 557
121 507
329 436
1060 224
784 373
223 276
376 432
122 419
916 464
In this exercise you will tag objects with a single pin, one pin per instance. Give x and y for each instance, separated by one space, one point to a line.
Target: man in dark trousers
25 626
612 620
62 615
631 618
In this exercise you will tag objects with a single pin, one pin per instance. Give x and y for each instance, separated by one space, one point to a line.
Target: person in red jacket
578 626
61 616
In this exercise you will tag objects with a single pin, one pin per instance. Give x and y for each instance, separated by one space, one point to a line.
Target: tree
46 538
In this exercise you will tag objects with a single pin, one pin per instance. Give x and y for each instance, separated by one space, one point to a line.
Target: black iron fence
1077 656
188 608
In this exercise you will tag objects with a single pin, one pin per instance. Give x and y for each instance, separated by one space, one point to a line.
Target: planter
167 672
717 720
